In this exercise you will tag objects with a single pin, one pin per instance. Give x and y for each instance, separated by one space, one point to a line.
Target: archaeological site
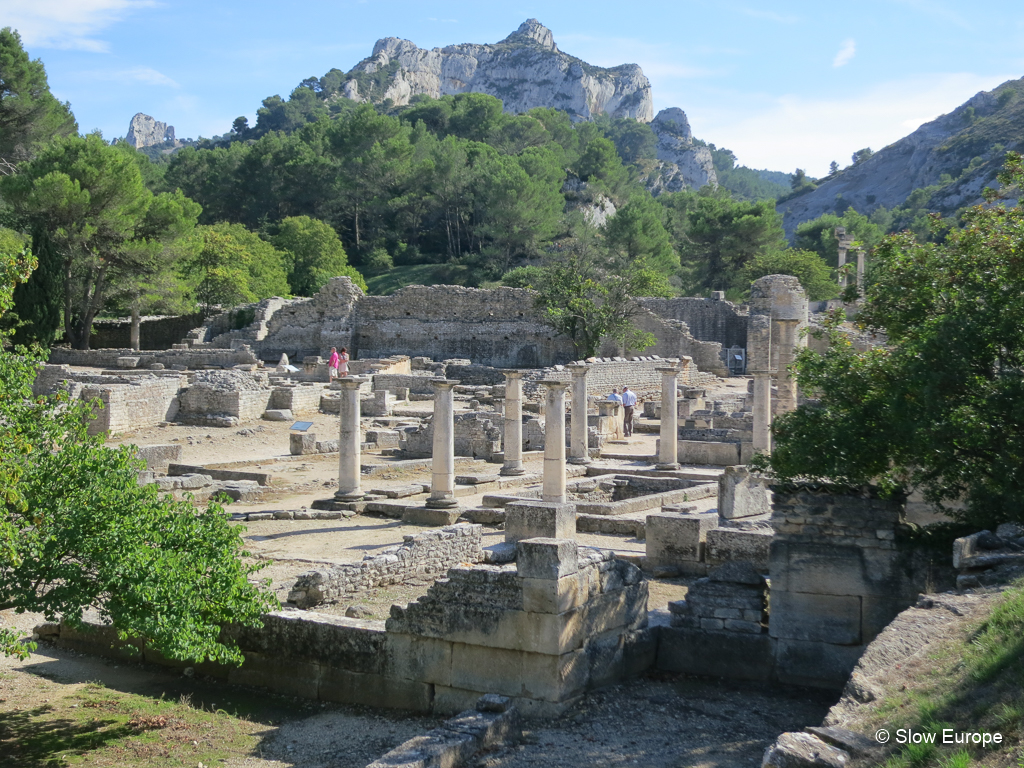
473 474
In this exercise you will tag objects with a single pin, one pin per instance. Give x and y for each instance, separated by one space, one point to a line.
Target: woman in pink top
343 362
332 364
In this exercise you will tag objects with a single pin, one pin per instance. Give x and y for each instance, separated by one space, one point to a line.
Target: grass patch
974 686
99 726
421 274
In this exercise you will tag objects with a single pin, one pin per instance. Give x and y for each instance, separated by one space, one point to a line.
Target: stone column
578 447
513 424
668 452
787 341
860 270
349 440
840 233
442 481
759 339
553 488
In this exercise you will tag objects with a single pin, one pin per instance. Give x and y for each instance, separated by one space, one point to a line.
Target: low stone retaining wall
423 554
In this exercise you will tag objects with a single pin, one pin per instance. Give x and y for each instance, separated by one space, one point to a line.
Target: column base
513 471
667 467
348 496
446 503
578 460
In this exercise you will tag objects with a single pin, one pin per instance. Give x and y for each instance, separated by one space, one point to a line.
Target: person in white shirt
628 401
614 396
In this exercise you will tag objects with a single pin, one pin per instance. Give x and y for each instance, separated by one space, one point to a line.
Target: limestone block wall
201 401
674 340
300 400
707 319
169 358
837 579
423 554
496 327
543 630
639 374
476 434
142 403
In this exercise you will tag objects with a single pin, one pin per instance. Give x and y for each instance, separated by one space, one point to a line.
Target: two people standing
337 365
628 400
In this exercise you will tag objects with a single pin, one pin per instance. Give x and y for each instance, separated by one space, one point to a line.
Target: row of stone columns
442 485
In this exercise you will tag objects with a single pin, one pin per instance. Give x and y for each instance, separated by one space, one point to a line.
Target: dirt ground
652 721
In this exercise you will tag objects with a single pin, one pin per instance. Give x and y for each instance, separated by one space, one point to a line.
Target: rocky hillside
958 154
681 164
525 70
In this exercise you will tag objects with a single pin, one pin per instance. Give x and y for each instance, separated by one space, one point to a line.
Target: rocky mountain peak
145 131
531 29
673 122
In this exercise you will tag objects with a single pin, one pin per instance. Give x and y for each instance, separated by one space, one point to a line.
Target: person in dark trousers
628 401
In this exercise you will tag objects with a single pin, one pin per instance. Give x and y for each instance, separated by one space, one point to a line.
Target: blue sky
789 85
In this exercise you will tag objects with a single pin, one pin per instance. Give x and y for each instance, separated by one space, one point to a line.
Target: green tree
807 266
717 236
231 265
587 296
99 217
78 531
939 408
818 234
314 255
29 114
636 232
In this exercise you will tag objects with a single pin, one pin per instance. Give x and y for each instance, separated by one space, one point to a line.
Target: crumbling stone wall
169 358
707 319
225 398
423 554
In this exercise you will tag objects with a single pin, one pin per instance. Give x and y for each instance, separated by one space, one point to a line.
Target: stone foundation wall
138 404
200 402
169 358
300 400
423 554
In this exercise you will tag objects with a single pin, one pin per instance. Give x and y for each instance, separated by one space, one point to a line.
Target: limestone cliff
525 70
682 164
959 152
144 131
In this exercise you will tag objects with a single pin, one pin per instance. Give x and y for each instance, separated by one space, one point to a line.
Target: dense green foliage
818 234
807 266
99 221
940 408
745 183
231 265
314 254
29 114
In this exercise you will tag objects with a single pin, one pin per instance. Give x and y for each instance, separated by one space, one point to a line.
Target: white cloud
770 16
846 52
68 24
788 132
146 75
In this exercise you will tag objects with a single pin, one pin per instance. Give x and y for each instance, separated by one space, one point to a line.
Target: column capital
514 374
578 369
668 371
553 384
351 382
443 384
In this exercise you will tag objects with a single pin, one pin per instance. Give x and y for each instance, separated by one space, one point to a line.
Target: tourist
614 396
628 401
332 364
343 362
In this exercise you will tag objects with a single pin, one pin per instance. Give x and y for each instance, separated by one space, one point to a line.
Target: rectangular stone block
742 495
673 538
517 673
726 545
423 659
546 558
345 687
818 665
731 655
555 596
285 676
539 519
713 454
835 569
435 518
834 619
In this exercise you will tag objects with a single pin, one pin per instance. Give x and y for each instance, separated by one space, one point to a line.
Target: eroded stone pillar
513 424
578 444
442 480
668 451
759 356
787 340
860 270
349 440
553 488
